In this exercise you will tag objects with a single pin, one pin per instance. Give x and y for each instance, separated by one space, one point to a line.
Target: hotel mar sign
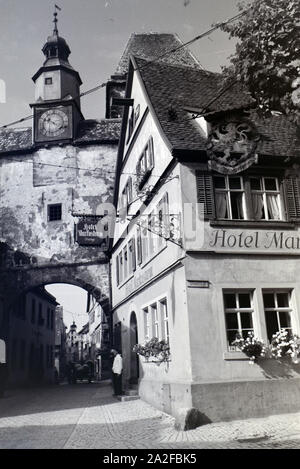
254 241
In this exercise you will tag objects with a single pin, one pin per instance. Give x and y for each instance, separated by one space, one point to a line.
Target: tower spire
55 21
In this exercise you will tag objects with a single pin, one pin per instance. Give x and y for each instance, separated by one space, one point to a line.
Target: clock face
53 122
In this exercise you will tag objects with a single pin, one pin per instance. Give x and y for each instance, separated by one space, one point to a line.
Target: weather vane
56 8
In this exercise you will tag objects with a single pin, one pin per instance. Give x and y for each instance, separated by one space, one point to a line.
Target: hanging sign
90 231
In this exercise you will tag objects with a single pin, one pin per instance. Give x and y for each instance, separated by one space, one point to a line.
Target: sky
97 32
74 301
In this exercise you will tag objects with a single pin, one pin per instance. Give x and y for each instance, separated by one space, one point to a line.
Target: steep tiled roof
99 130
152 45
15 139
89 131
173 90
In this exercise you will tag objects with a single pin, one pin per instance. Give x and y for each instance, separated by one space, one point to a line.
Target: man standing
3 367
117 372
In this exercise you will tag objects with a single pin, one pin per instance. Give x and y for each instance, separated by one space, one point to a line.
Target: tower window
54 212
52 52
48 81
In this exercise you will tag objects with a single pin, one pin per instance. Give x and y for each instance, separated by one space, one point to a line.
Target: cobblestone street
87 416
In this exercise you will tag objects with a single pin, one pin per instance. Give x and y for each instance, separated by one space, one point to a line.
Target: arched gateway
55 179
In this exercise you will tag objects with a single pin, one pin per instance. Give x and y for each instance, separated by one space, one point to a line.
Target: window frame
238 310
278 309
51 207
265 192
247 202
145 163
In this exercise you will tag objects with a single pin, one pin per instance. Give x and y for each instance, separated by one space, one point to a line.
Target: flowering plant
155 348
251 346
285 344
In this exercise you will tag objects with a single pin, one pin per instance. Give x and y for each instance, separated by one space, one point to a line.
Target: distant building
60 343
72 344
99 342
83 339
31 342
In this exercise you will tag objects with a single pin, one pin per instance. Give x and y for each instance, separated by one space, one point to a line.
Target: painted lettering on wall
139 280
268 240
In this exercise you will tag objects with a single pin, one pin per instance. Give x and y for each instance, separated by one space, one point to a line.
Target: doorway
134 359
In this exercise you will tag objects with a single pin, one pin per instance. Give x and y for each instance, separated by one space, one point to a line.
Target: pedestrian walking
117 368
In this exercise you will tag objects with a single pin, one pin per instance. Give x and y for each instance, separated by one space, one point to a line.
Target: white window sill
235 356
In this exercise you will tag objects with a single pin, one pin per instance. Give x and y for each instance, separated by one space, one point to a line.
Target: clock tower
57 94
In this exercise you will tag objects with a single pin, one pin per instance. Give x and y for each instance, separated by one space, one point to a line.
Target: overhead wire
169 52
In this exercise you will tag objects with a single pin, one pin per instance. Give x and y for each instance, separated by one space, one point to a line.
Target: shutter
205 193
139 245
292 197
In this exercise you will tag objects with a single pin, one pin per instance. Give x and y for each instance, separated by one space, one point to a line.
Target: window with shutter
205 193
292 197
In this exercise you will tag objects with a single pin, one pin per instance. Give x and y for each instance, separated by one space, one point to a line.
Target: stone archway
15 280
134 359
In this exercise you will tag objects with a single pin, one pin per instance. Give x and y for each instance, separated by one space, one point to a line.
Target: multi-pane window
127 195
277 311
48 81
121 273
247 198
164 319
125 257
145 251
139 245
145 163
230 197
126 261
147 323
163 220
238 314
155 322
54 212
132 256
265 198
151 233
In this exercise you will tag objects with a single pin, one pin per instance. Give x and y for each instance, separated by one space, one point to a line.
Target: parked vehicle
80 372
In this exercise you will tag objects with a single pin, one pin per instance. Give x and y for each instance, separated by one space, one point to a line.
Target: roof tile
178 88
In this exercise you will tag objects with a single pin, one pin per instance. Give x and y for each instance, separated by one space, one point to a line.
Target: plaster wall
178 369
78 178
